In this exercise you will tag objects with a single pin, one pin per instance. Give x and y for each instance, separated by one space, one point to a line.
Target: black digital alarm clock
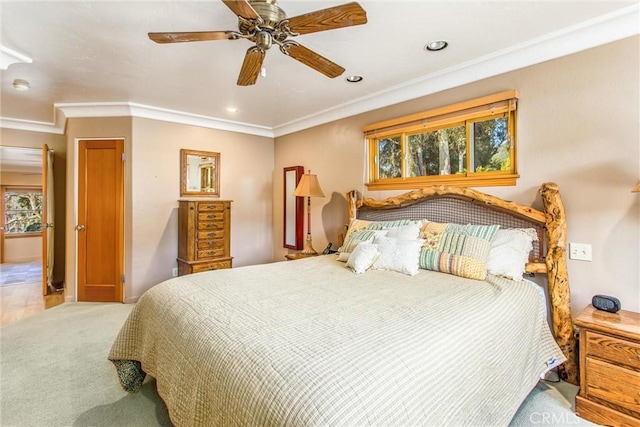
606 303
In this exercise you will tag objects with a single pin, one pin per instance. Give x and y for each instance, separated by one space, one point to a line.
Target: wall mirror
293 208
200 173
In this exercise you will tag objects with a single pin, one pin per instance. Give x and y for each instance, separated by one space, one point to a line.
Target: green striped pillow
461 250
355 239
382 225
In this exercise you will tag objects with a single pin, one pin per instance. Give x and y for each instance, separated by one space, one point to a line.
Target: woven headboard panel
460 211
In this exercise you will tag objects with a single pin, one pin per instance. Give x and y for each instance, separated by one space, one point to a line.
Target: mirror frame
292 235
213 174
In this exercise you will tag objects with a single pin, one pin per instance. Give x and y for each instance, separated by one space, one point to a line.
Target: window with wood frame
22 211
472 143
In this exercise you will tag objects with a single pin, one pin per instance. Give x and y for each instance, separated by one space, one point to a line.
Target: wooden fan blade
314 60
251 67
242 8
328 19
191 36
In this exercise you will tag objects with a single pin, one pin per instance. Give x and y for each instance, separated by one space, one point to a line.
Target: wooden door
45 219
100 227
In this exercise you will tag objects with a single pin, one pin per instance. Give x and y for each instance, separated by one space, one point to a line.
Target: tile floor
21 292
16 274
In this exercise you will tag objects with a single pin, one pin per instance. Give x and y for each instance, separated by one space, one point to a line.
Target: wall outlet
174 272
580 251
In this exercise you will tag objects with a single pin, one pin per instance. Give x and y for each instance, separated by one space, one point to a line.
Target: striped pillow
355 239
383 225
355 225
461 250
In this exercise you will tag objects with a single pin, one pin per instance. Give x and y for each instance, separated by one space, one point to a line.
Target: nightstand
609 367
298 255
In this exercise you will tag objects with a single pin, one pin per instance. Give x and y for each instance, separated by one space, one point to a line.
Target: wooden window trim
438 118
24 188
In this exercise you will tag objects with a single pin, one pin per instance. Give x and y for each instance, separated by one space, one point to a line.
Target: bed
310 342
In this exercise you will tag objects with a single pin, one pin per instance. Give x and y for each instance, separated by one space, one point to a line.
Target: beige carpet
54 372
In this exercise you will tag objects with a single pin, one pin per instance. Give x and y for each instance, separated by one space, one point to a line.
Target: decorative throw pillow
509 252
362 257
383 225
355 225
411 231
355 239
461 250
398 255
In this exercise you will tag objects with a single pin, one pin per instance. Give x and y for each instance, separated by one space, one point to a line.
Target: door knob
80 227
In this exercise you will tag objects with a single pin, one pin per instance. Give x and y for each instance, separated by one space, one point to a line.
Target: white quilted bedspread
308 342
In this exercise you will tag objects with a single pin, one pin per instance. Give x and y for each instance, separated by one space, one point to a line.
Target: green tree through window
471 143
22 211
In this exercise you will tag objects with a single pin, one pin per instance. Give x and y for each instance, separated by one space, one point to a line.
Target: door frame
76 195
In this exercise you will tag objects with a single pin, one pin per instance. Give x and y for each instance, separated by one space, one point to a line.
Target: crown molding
10 56
132 109
585 35
31 126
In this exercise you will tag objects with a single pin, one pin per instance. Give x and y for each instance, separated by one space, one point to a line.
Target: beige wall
246 174
152 188
22 249
25 139
21 179
577 126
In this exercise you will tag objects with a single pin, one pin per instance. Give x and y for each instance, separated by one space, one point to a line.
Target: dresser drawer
613 384
210 225
208 266
210 216
210 207
613 349
210 234
211 253
210 244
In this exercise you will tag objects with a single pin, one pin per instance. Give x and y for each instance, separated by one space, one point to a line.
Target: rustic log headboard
468 206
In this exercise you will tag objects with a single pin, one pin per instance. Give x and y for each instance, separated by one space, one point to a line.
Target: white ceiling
22 160
94 58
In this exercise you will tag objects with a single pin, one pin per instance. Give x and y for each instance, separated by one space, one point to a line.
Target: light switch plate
580 251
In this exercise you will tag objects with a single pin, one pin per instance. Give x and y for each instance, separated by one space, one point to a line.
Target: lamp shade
308 186
636 189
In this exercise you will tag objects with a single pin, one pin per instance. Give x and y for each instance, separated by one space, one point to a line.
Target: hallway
21 292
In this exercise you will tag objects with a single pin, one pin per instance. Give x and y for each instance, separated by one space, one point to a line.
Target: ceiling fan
265 24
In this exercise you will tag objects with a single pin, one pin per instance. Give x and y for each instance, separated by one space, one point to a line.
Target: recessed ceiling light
232 110
354 79
19 84
436 45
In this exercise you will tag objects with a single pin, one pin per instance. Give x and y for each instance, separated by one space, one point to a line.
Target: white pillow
398 255
509 252
405 232
363 257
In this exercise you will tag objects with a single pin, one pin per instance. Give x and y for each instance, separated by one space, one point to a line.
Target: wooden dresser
204 232
609 367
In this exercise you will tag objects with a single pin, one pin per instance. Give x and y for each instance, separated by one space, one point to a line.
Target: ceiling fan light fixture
19 84
354 79
264 40
436 46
